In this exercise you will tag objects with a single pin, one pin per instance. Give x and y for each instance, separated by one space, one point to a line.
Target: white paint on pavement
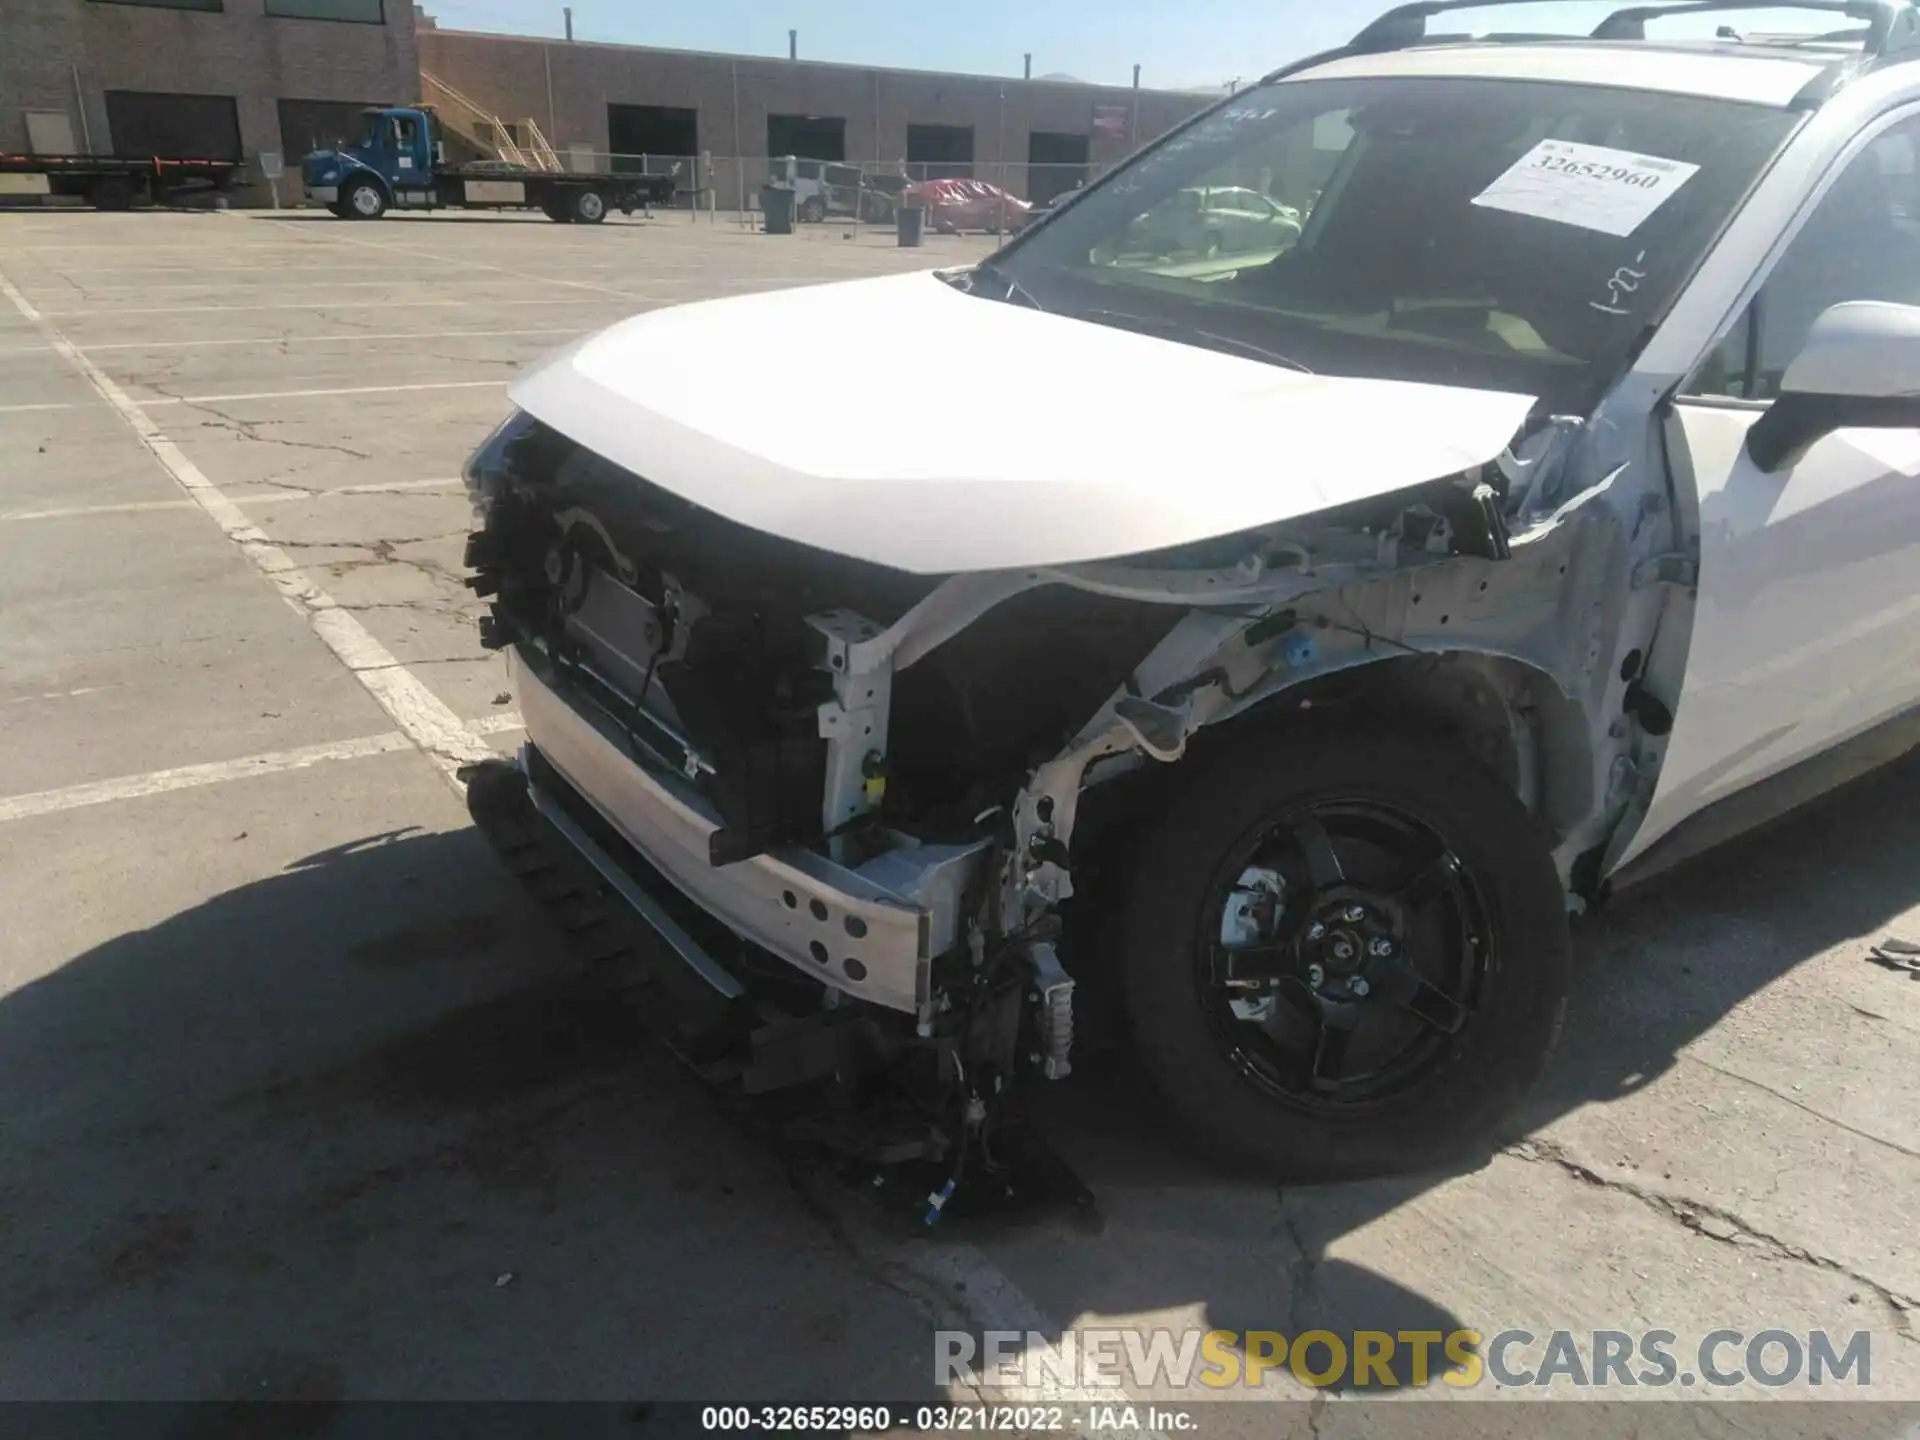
158 782
265 497
303 394
427 720
329 236
316 307
17 409
59 694
218 772
352 337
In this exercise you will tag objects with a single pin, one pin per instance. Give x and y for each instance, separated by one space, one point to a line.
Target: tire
111 192
556 210
813 210
364 200
339 211
587 206
1253 1089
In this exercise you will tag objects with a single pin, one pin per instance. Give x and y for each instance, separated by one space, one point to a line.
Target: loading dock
638 135
173 127
940 152
810 137
1055 162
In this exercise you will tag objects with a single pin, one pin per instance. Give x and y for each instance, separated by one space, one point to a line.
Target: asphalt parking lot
300 1101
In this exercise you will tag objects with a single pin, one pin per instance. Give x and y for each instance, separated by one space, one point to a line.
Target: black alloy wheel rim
1343 953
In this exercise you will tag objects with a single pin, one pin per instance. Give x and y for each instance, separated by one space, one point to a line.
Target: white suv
1285 643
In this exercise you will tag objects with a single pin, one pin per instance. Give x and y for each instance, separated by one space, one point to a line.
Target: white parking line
18 409
265 497
351 338
320 305
449 260
301 394
449 742
218 280
218 772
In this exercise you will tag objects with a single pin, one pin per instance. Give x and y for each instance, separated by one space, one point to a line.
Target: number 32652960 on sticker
1592 186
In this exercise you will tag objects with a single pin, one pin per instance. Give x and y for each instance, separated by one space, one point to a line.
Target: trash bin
911 221
776 204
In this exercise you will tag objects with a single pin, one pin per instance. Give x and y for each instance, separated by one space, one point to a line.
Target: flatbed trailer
559 195
398 164
112 182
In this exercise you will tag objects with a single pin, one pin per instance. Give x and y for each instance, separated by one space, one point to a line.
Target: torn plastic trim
1523 610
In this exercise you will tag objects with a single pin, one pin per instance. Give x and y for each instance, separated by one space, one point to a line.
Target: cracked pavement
296 1076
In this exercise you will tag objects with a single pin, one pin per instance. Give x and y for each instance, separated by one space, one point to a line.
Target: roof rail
1406 25
1887 21
1891 24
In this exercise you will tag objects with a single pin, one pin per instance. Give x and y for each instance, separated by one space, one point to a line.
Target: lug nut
1360 987
1355 914
1381 948
1316 931
1316 977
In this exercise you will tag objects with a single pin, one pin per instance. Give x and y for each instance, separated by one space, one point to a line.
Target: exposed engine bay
878 788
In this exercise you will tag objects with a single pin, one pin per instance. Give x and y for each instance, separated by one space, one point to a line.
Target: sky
1177 43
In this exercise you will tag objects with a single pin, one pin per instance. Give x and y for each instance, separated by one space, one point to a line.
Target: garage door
309 125
173 127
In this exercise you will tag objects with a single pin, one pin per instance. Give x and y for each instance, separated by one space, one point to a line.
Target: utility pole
1133 125
1029 74
793 44
568 13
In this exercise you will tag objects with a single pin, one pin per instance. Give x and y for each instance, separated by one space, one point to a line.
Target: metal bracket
854 722
1053 997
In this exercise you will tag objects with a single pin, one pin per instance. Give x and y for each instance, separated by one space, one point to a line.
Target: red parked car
956 205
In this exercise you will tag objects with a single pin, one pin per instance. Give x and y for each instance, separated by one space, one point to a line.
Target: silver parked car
1210 220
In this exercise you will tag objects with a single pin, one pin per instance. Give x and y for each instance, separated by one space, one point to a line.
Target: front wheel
1344 957
364 201
589 207
813 210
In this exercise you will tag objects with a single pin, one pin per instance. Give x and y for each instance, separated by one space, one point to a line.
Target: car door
1806 625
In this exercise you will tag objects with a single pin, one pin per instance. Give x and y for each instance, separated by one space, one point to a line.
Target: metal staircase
517 143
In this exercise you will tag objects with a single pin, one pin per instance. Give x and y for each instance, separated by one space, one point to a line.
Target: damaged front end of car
855 799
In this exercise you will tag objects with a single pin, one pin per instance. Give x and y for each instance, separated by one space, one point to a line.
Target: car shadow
328 1136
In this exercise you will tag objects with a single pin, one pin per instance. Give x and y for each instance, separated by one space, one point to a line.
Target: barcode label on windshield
1591 186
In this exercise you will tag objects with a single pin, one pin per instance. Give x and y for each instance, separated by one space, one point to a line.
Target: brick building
617 103
221 78
198 77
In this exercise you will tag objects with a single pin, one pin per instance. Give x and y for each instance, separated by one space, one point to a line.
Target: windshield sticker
1591 186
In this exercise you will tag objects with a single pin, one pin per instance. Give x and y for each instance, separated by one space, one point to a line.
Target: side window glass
1862 242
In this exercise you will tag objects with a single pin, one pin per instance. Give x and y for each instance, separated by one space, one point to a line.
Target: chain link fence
850 192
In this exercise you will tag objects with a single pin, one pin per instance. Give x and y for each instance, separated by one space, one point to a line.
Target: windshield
1510 235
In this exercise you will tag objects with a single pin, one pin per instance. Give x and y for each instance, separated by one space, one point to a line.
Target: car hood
902 421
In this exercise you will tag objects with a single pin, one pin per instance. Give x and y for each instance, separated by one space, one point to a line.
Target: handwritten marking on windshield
1625 281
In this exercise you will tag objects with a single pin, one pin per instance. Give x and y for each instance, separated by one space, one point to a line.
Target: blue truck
399 162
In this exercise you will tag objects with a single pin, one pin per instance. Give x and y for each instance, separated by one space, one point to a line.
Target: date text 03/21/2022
948 1419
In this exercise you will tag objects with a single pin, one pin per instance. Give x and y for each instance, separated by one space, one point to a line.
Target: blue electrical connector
937 1201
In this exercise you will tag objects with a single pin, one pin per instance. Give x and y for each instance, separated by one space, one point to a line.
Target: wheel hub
1348 932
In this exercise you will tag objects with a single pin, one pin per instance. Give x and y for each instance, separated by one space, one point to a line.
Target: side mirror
1860 368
